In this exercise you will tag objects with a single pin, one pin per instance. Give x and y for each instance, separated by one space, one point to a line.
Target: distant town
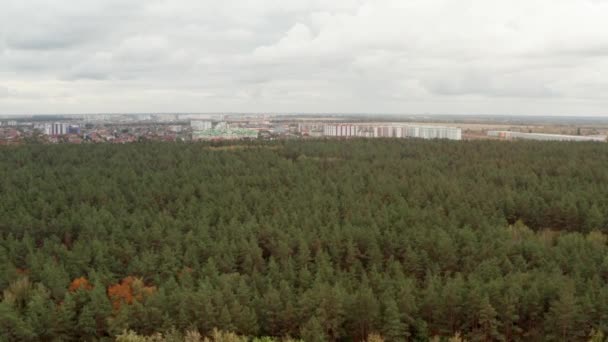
129 128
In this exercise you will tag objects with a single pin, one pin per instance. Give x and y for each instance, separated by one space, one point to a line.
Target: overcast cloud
398 56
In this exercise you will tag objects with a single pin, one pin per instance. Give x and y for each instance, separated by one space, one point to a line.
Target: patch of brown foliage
80 283
129 289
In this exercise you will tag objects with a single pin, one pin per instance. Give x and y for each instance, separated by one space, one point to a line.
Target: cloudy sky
391 56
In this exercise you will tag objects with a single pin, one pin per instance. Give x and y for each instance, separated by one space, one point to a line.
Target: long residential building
392 131
543 136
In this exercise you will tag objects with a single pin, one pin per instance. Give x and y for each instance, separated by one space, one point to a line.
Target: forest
319 240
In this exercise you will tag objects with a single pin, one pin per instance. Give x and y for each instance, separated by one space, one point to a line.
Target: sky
524 57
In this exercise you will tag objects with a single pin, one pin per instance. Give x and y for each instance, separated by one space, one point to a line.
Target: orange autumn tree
80 283
129 289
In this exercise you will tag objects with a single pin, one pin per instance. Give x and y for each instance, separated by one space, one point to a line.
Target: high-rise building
57 128
201 125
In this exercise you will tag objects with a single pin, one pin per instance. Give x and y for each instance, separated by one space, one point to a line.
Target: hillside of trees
316 240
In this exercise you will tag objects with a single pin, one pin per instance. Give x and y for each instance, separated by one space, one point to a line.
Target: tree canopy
320 240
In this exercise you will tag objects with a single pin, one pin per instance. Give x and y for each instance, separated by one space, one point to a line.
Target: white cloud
470 56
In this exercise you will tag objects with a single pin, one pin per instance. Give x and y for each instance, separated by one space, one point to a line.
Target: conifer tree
393 329
564 315
313 331
67 319
487 325
12 325
225 320
40 313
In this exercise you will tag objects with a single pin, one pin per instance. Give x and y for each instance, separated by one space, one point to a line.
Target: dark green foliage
12 325
324 240
393 328
40 314
313 331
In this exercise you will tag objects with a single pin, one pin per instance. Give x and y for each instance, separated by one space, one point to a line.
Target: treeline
318 240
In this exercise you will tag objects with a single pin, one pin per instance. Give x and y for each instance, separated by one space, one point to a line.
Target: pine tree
487 325
564 315
363 312
246 321
12 326
119 321
101 307
312 331
393 329
330 311
55 278
272 307
225 320
595 219
508 315
86 325
39 314
67 319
